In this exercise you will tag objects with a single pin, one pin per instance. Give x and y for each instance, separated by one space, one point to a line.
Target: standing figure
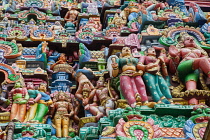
154 81
41 52
193 58
44 102
102 103
61 111
19 98
130 78
34 97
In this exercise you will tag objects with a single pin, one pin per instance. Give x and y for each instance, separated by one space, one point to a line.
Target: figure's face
100 83
44 43
42 87
189 41
30 85
18 85
57 23
147 3
126 51
61 97
62 57
151 51
208 29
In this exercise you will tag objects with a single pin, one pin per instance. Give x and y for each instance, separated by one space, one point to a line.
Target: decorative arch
24 14
10 49
170 36
10 75
191 31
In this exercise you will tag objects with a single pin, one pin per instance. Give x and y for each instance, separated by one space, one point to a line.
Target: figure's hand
161 58
31 102
23 101
173 51
87 107
113 99
151 65
45 103
140 72
85 101
140 66
114 65
59 62
67 115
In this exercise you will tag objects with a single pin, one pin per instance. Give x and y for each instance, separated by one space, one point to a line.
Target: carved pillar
207 132
11 127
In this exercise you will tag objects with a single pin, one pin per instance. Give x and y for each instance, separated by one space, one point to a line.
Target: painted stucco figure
130 79
61 111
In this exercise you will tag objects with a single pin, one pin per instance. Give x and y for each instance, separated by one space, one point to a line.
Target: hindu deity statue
102 103
153 77
61 65
43 104
71 15
4 22
119 21
57 28
61 111
205 29
34 97
191 58
94 23
130 78
41 52
19 98
83 77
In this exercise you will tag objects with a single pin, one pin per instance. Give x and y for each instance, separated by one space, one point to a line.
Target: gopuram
104 70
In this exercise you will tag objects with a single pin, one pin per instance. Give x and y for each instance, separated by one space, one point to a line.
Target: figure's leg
139 83
191 80
164 89
58 126
95 111
109 106
167 79
127 90
203 64
31 112
65 126
22 112
14 111
151 86
41 112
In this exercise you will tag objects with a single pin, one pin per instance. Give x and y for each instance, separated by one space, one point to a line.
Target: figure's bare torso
189 53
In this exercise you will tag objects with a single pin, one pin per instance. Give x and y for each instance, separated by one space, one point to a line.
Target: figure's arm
26 94
140 65
76 110
52 109
92 94
49 102
78 93
67 16
114 94
95 100
70 107
115 67
174 52
38 97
